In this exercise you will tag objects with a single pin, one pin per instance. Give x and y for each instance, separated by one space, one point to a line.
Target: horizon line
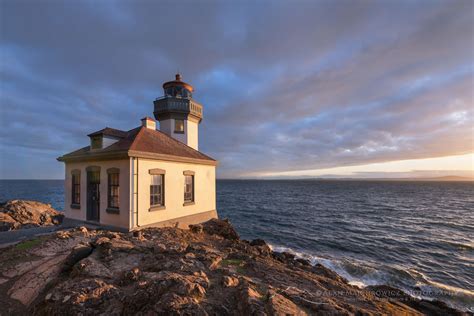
440 178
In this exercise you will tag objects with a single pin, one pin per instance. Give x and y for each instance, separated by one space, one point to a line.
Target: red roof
178 82
141 142
109 132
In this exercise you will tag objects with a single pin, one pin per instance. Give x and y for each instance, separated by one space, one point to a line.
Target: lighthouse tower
179 115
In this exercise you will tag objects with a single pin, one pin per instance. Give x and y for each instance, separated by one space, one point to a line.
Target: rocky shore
206 270
18 214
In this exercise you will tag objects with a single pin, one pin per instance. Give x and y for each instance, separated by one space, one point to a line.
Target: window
157 189
179 126
113 189
157 197
96 142
188 188
76 188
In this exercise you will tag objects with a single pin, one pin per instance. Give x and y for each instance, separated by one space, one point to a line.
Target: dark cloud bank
288 85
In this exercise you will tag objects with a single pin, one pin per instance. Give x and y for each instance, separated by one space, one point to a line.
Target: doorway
93 195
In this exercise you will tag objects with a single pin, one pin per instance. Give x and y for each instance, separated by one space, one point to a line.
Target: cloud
286 86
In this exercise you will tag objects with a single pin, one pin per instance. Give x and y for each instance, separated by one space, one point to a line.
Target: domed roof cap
178 83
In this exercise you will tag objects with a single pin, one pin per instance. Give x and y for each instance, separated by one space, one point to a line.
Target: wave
459 245
364 273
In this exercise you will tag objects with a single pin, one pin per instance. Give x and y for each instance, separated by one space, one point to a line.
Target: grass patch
232 262
238 264
240 270
28 244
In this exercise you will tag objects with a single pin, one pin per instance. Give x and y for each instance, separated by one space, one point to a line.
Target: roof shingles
109 132
138 141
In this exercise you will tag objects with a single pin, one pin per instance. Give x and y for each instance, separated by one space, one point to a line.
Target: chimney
148 122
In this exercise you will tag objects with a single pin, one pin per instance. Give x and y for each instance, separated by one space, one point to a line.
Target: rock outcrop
207 270
16 214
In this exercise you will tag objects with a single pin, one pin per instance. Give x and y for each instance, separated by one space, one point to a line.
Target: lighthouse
145 177
178 113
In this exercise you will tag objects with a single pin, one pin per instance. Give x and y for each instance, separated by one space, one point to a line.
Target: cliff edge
206 270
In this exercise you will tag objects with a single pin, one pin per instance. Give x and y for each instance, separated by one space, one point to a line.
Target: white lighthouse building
145 177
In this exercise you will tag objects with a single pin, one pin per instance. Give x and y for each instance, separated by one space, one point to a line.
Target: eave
147 155
95 156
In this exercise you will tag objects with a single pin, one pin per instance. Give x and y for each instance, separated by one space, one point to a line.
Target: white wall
190 136
192 130
204 190
119 220
167 126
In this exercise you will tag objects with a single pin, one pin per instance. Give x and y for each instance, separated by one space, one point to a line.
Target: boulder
258 242
323 271
77 253
83 230
91 267
24 214
86 297
109 248
250 301
138 234
426 307
167 293
131 275
228 281
63 234
171 303
278 256
111 235
120 245
8 223
303 262
193 286
221 228
262 247
277 304
197 228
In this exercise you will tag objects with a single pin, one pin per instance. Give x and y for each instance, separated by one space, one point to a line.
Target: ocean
417 236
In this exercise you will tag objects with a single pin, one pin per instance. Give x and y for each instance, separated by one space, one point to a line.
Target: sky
289 88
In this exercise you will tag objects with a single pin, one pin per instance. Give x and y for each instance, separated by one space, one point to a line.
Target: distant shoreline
436 179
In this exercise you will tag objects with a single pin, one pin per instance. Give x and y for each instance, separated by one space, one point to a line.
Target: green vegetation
232 262
24 245
240 270
239 264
